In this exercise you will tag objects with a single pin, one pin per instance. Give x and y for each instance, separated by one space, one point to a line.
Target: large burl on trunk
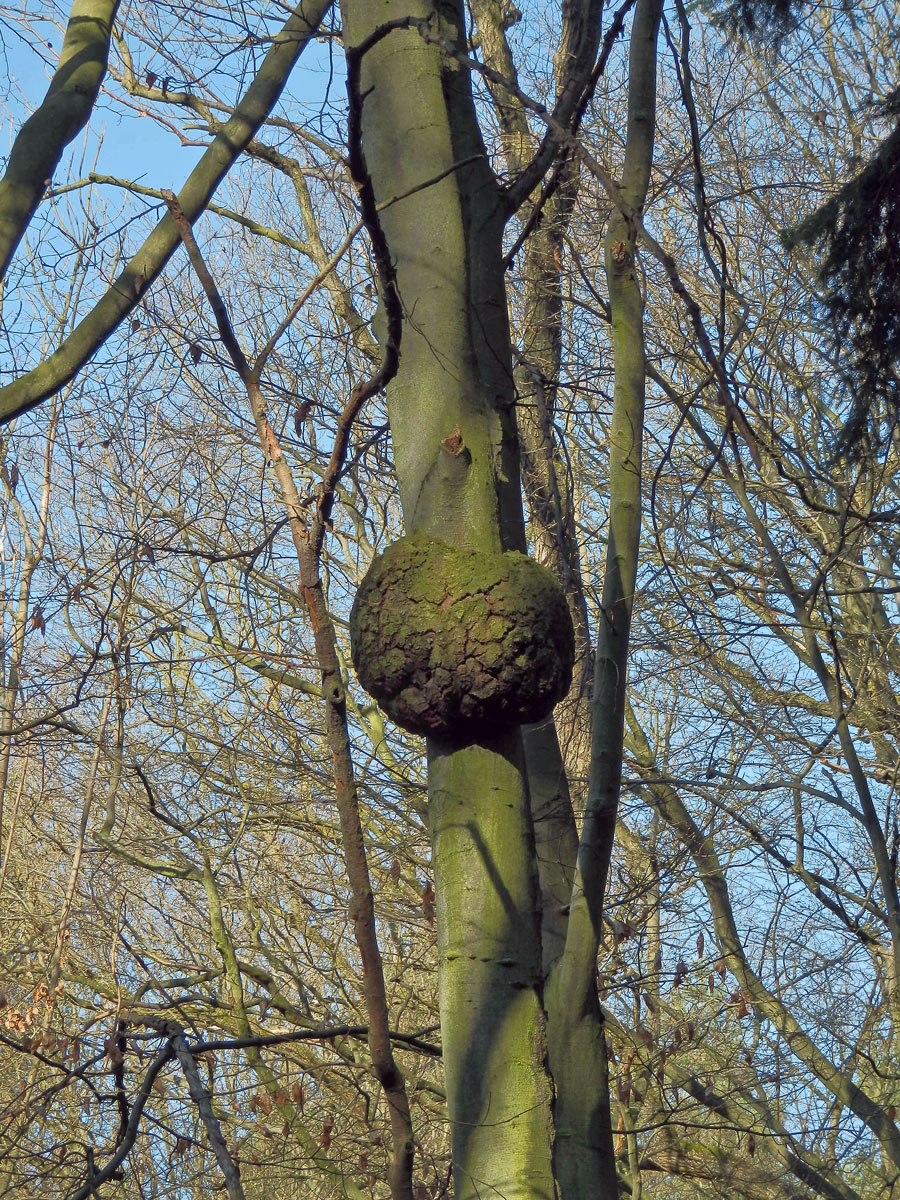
527 1093
453 642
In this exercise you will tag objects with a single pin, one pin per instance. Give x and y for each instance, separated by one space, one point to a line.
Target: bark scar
454 444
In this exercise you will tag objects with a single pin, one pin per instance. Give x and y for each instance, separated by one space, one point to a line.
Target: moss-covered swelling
452 642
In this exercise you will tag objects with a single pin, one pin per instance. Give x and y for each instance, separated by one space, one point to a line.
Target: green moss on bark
457 643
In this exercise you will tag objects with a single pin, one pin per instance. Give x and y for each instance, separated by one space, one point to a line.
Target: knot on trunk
458 643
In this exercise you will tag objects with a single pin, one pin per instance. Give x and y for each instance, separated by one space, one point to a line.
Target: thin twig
308 544
110 1171
345 245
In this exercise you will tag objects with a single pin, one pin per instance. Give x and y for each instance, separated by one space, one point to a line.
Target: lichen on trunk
460 644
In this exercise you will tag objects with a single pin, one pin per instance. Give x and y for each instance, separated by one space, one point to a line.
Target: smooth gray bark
452 423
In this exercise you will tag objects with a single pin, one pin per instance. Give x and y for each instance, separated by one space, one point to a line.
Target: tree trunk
455 382
583 1112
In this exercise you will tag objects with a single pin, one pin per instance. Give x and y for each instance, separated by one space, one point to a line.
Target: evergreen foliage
858 234
762 18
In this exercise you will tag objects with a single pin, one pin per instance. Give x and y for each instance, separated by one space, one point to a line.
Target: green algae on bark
460 643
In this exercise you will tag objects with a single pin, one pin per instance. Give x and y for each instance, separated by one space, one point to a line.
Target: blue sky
130 146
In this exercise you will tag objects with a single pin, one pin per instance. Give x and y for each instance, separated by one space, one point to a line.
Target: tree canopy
534 368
